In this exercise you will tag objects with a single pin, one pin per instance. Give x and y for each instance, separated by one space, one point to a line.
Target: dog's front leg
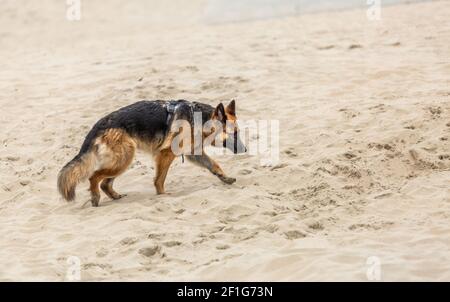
163 160
207 162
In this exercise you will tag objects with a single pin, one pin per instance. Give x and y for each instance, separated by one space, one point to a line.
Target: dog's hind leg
163 160
116 152
95 192
208 163
106 187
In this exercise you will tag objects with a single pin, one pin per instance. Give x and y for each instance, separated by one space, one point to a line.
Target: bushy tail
75 171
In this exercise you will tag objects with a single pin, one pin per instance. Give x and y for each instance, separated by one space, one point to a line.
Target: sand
362 188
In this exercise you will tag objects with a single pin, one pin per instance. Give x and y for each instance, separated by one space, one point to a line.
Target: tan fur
106 186
147 146
163 160
116 151
111 154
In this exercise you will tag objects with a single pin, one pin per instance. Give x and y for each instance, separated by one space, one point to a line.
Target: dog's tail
78 169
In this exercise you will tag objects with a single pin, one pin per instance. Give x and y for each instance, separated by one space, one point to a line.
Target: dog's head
229 136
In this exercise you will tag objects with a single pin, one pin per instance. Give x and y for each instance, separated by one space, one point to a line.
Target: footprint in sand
444 157
435 111
279 166
294 234
395 44
11 158
191 68
222 247
290 152
103 266
102 252
154 236
380 146
349 155
317 226
378 108
180 211
348 113
24 183
151 251
128 241
325 47
354 46
172 243
245 172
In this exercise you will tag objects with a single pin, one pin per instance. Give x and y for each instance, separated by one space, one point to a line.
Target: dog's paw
164 193
228 180
118 196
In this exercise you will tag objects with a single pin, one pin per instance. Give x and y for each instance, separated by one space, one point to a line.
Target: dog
110 145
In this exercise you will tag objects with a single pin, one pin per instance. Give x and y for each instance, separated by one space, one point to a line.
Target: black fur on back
145 120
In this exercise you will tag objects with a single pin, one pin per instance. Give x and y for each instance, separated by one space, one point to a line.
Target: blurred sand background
364 111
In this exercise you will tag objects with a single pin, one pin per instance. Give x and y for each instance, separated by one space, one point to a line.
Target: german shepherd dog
110 145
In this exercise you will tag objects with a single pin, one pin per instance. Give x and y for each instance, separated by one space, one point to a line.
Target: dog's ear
219 113
231 108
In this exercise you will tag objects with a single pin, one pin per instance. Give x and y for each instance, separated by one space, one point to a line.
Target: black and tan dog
109 147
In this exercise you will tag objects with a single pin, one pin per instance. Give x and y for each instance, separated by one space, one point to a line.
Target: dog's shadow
150 198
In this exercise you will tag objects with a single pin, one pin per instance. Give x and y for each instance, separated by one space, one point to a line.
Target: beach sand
362 186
